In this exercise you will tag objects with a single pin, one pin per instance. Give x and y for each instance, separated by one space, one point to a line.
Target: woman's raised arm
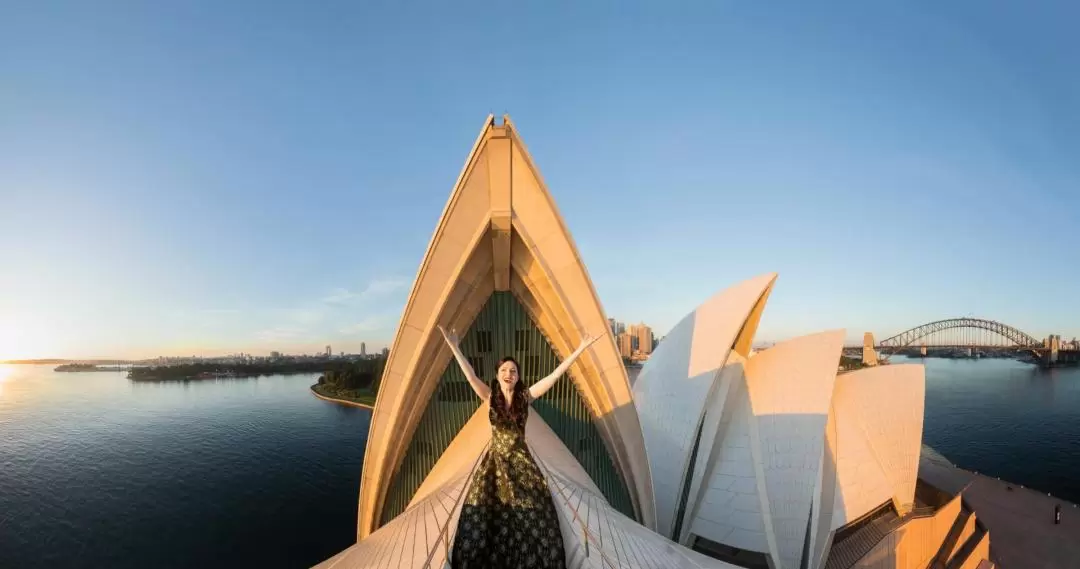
482 390
541 387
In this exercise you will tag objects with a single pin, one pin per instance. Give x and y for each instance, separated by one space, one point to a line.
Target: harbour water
97 471
1006 419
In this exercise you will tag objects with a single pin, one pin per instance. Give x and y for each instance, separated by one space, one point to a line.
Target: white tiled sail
717 410
675 384
790 389
729 512
861 484
597 536
879 414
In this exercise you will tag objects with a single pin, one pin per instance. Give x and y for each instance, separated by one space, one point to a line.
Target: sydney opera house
715 456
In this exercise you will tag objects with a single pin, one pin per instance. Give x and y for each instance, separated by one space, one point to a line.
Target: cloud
281 334
349 312
380 287
203 317
338 296
202 313
369 324
375 289
304 315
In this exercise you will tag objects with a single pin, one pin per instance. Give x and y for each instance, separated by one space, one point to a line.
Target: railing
921 512
444 530
587 536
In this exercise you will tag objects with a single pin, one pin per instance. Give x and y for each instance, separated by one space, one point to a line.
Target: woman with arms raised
508 518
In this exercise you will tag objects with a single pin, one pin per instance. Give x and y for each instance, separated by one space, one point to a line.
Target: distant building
644 338
386 352
363 349
616 327
626 348
275 354
329 353
632 331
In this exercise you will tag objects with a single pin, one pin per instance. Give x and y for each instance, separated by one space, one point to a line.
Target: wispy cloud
281 334
338 296
369 324
203 317
203 312
303 315
384 286
348 312
377 288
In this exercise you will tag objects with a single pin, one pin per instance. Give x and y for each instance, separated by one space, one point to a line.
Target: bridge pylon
869 352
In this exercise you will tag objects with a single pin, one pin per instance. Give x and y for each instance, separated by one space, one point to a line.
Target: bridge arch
909 337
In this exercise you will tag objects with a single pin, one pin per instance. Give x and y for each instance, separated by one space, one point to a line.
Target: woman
508 518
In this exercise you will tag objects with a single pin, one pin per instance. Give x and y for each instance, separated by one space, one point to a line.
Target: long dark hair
520 399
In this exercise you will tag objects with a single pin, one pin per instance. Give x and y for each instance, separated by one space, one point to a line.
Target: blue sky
203 178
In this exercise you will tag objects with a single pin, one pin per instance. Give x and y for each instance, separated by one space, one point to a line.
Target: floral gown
508 518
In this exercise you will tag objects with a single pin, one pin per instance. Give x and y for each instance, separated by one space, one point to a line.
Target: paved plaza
1021 521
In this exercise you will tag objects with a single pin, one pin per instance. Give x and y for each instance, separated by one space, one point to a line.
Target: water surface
1006 419
98 471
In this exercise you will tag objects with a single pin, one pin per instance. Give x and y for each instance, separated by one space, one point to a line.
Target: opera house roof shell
714 450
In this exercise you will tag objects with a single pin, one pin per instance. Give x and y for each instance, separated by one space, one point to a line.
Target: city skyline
207 179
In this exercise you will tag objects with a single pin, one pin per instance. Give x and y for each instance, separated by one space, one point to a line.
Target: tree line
341 372
358 381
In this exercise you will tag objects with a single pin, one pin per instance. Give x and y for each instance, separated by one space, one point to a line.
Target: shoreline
340 401
213 376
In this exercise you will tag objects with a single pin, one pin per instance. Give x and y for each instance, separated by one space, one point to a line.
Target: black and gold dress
508 518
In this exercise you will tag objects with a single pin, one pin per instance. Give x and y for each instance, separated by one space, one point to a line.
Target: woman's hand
541 387
587 341
450 337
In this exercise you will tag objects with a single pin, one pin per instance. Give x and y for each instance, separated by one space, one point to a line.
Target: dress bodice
506 433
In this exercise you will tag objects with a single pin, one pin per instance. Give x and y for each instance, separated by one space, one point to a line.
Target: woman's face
508 374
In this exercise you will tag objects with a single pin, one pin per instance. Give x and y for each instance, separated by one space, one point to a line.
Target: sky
209 177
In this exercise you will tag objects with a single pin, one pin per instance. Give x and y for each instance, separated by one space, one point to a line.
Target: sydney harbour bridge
972 337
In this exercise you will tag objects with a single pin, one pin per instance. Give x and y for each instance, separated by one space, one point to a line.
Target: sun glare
19 341
5 372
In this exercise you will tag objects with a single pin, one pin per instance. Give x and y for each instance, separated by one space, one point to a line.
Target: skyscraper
644 336
363 349
329 353
632 332
626 347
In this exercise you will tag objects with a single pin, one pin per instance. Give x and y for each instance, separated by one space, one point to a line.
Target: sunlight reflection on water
5 372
